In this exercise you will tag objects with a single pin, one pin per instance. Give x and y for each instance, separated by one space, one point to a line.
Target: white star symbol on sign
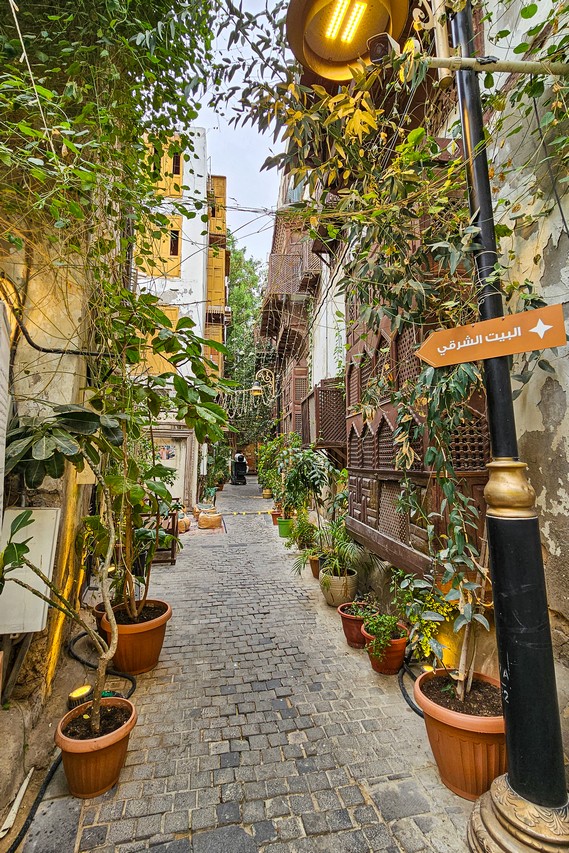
541 329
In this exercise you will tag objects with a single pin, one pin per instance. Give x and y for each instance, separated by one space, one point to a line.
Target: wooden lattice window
385 447
352 389
355 450
470 446
368 455
407 364
300 388
391 522
382 358
366 370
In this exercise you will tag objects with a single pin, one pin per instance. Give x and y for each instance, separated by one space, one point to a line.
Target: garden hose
51 772
71 651
407 669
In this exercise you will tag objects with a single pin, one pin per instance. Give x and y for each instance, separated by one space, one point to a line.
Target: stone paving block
121 830
147 826
314 823
263 831
226 839
400 799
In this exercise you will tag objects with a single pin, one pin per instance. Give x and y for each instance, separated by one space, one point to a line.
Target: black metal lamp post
528 808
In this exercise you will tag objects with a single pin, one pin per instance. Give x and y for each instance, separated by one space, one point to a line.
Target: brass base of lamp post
504 822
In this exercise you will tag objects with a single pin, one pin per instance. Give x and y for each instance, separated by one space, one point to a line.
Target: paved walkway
261 730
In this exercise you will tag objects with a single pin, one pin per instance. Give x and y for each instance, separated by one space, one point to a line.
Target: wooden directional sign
530 330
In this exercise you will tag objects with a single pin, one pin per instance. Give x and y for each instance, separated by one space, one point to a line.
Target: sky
238 153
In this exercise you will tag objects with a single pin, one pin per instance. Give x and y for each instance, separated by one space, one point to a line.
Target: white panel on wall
20 610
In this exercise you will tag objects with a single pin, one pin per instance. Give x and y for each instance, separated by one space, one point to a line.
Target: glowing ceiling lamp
337 18
353 22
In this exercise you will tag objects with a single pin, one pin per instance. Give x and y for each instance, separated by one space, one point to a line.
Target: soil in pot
149 612
470 750
484 699
139 643
93 764
112 718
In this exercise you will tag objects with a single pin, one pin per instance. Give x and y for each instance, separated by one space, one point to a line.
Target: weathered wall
54 302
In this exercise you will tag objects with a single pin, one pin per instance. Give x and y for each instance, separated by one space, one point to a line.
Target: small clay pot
275 515
352 626
392 659
315 566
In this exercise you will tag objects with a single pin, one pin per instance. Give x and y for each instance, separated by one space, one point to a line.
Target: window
174 243
176 165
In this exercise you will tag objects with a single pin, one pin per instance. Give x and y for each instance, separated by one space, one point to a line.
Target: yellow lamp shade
329 36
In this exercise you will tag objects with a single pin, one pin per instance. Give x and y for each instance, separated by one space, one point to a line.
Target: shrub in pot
386 639
466 734
340 558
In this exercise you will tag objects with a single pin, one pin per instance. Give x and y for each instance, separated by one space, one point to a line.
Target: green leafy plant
384 628
303 533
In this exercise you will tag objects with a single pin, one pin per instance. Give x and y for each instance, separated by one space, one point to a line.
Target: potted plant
93 736
386 638
303 532
340 558
462 708
352 614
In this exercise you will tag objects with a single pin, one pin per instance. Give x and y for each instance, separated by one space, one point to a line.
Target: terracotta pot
285 527
336 590
93 766
275 515
469 751
140 643
352 626
315 566
392 659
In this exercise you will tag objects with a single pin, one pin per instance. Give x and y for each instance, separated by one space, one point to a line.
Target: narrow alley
260 730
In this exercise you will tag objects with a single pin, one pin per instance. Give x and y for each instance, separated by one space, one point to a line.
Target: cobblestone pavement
260 730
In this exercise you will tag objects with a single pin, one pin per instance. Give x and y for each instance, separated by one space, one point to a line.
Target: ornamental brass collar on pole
508 493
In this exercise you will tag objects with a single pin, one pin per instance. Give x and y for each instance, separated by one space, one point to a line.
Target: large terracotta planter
93 766
352 626
314 566
470 752
285 527
336 590
392 659
140 643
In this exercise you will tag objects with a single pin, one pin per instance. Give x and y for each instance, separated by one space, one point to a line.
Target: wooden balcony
323 416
